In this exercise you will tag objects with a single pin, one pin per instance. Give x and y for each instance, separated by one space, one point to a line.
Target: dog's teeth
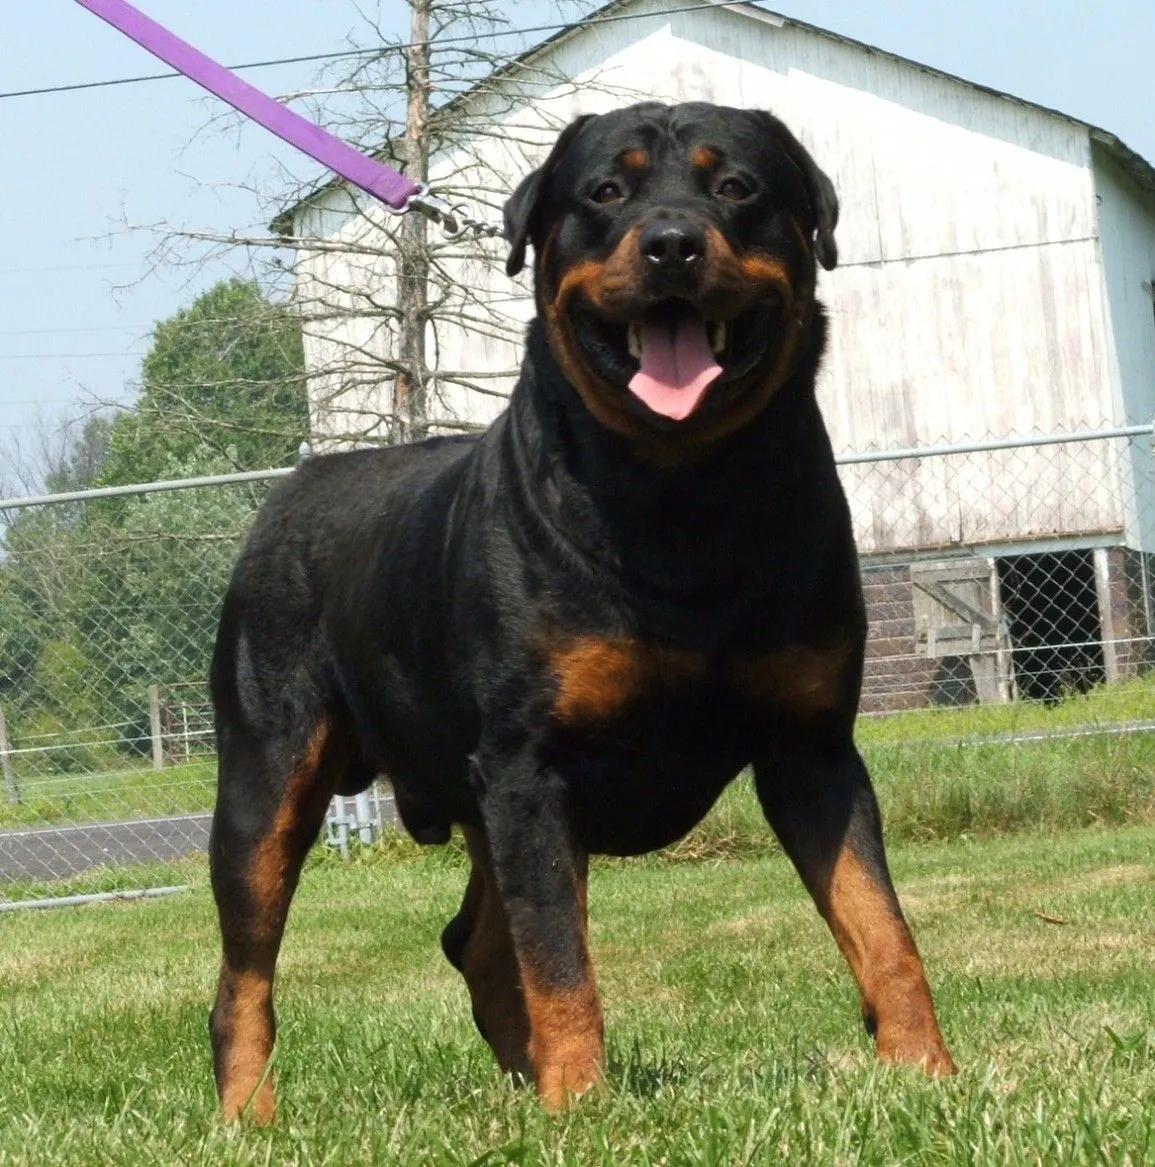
718 337
634 341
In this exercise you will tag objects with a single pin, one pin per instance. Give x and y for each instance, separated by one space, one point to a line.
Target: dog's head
675 252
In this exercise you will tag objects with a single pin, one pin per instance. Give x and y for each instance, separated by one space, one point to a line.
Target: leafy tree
99 600
82 460
148 605
223 383
39 564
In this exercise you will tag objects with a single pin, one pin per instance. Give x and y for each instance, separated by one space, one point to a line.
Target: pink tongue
678 367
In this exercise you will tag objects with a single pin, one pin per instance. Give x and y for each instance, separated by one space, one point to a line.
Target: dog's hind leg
271 803
477 942
819 800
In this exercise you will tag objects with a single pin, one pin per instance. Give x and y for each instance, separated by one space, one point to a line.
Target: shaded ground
58 852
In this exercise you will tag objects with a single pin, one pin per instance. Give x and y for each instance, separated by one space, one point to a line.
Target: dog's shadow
646 1073
643 1072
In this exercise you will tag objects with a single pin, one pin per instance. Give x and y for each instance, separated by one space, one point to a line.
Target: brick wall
1128 611
894 678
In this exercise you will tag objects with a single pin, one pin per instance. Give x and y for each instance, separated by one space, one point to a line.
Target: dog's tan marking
599 282
490 966
608 284
799 677
635 159
567 1044
567 1029
244 1023
597 678
881 953
246 1081
738 282
767 271
274 858
704 158
732 283
604 403
548 1034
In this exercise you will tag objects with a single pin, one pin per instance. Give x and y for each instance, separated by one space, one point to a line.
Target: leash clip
454 219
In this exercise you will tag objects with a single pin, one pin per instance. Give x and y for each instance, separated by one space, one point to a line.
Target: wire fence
1010 590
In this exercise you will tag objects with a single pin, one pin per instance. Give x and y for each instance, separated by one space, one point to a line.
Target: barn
992 358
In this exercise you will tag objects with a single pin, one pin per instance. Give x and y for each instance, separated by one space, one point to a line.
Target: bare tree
55 451
413 266
407 329
398 303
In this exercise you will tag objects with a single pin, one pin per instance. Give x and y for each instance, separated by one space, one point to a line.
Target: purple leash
395 190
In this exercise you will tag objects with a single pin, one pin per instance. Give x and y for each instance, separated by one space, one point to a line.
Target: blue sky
78 294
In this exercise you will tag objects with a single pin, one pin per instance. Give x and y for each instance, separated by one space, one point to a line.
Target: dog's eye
608 192
733 189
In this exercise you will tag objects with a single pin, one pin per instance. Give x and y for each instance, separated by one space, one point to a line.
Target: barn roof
1140 170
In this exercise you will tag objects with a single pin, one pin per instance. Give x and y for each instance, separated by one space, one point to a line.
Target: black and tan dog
568 635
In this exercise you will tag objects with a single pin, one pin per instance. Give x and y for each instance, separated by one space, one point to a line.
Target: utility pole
410 388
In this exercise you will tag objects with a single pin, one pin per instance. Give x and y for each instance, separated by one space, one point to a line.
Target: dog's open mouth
670 355
676 365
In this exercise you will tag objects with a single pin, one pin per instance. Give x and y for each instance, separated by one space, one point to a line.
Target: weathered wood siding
969 300
1127 233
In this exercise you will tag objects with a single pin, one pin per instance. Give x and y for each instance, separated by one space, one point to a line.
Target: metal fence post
364 817
6 762
1106 615
154 724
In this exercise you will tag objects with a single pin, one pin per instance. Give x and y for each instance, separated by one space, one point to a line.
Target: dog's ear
819 190
523 219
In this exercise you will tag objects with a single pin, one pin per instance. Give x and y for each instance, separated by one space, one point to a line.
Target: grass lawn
1128 703
138 792
733 1035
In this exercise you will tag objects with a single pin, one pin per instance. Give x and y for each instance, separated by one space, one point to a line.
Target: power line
79 85
439 42
58 331
36 269
63 356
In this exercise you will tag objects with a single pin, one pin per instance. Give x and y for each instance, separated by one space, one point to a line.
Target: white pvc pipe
364 816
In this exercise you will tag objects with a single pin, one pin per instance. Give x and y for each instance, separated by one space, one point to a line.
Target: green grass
1102 707
937 792
934 792
132 793
733 1035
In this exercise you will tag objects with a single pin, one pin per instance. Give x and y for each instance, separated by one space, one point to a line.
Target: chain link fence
1005 580
1008 571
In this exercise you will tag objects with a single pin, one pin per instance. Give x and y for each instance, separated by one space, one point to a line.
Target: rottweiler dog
568 634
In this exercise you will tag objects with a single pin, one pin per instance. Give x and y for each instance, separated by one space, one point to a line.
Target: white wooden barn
994 277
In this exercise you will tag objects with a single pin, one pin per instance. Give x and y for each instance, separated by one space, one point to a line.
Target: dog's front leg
540 875
819 800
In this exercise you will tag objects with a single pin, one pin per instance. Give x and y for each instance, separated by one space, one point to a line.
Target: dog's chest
600 682
647 735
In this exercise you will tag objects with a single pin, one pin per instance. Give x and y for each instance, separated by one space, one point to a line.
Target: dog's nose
673 247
